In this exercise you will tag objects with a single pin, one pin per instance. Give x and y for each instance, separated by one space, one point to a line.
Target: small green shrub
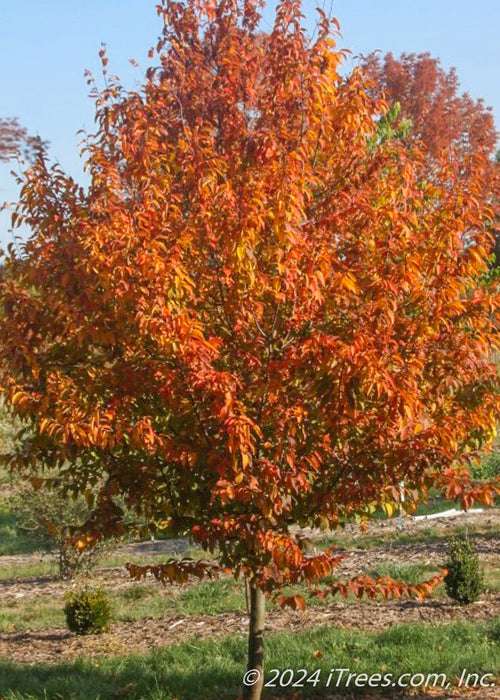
49 517
465 580
87 611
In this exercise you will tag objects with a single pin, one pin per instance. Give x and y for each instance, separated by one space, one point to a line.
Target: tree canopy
259 312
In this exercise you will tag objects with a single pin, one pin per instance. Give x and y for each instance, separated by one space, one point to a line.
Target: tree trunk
251 690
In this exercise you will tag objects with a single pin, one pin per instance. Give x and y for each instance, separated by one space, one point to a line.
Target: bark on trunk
255 669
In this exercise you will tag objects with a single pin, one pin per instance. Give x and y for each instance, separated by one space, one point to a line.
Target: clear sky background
45 46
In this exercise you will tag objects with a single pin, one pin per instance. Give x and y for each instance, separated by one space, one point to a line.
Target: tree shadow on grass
129 679
135 680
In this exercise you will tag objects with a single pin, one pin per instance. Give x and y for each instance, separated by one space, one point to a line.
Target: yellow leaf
348 282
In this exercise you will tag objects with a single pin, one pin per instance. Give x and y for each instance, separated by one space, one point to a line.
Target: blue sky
45 46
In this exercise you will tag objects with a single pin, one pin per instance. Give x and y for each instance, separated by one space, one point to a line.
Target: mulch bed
55 645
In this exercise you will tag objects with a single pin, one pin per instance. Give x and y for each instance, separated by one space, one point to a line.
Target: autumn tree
15 140
443 119
259 313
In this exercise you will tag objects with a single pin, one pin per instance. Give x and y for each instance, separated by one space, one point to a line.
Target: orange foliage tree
258 314
441 117
445 121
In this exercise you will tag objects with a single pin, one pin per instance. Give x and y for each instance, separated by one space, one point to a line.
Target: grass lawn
212 670
135 602
208 669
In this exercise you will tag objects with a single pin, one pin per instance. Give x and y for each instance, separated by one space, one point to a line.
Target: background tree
15 140
259 313
442 119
